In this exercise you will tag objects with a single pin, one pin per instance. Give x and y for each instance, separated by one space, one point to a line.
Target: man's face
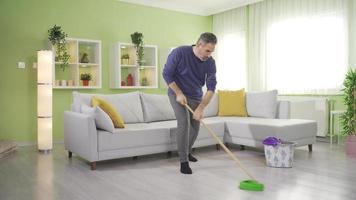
205 50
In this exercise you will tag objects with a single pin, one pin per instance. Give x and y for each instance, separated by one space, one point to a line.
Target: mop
252 184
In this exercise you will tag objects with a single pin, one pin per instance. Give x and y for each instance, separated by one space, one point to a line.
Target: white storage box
280 155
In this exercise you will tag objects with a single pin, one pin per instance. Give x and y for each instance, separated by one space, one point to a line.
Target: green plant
125 56
57 37
137 40
85 76
348 119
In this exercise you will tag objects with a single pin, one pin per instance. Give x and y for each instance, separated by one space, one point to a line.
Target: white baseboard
26 143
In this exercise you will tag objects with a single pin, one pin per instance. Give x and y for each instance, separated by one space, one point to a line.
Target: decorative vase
84 58
57 82
125 61
144 81
85 82
70 82
141 63
63 82
351 145
129 80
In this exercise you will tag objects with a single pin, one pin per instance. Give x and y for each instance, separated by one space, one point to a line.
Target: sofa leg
69 154
310 147
93 165
169 154
134 158
217 147
242 147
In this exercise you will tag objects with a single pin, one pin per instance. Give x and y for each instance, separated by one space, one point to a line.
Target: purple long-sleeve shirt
189 72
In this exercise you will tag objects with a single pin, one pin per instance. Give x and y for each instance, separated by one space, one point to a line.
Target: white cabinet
126 73
85 58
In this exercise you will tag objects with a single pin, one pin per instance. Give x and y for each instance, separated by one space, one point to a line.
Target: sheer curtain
298 46
230 54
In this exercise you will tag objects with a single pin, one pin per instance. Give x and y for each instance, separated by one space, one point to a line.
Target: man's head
205 45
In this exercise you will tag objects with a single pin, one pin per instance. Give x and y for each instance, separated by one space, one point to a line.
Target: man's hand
181 99
198 114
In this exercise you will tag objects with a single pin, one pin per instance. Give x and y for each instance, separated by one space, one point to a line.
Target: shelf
136 87
144 67
128 66
85 57
76 87
86 65
145 76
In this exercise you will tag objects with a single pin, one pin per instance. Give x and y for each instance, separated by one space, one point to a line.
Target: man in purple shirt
187 70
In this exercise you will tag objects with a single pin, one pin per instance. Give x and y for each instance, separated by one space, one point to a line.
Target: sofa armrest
80 135
283 109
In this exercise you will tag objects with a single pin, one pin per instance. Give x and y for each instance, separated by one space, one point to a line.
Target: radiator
314 108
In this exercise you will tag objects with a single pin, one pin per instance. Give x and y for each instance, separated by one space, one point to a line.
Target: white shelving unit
70 77
145 76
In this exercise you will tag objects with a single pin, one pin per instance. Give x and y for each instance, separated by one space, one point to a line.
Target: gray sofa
150 126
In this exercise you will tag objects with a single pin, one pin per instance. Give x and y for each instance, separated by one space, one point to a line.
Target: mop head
251 185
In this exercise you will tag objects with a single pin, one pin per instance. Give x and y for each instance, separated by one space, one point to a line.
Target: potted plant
85 77
137 40
125 59
57 37
348 119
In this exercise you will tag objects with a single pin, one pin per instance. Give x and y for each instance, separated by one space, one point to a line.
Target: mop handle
232 156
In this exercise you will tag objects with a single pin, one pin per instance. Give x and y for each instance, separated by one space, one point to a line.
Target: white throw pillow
102 120
156 107
212 109
127 104
262 104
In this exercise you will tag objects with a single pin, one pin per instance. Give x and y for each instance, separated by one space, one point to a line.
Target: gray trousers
187 127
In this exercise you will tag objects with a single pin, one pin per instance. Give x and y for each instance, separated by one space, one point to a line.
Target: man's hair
207 38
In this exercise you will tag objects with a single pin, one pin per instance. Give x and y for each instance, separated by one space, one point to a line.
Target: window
307 54
231 61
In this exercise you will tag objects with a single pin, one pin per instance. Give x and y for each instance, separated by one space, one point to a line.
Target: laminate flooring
326 173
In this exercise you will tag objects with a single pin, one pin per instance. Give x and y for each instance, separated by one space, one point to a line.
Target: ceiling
198 7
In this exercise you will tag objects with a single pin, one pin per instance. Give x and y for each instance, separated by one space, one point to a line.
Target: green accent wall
23 29
24 25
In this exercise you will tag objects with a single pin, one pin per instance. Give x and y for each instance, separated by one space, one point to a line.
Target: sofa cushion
127 104
260 128
215 123
133 136
102 120
110 110
232 103
212 109
262 104
156 107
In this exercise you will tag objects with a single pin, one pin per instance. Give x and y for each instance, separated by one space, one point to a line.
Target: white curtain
295 46
352 34
298 46
230 53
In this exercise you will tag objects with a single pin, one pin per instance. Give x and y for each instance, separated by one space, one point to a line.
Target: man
187 70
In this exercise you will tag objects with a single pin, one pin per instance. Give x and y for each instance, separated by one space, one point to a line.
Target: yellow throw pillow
232 103
110 110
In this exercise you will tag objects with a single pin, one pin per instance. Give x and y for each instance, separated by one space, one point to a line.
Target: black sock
191 158
185 169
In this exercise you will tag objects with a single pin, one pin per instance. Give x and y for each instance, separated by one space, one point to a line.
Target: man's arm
198 113
168 73
180 97
210 84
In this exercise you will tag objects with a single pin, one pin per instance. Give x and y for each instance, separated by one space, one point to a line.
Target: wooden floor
326 173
